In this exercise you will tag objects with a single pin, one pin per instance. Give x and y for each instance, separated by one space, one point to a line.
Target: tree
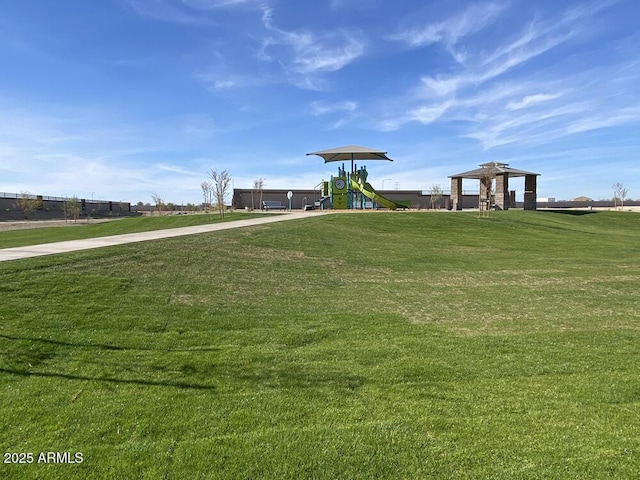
158 201
27 203
489 171
72 208
435 194
619 194
221 183
257 185
207 195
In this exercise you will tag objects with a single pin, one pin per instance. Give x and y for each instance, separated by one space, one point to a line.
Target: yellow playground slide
369 192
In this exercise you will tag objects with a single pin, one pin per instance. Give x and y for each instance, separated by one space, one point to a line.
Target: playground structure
350 190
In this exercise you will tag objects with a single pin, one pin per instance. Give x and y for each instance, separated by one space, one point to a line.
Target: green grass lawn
388 345
120 226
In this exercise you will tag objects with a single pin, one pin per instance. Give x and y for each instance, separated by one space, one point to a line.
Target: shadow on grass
151 383
38 358
576 213
105 346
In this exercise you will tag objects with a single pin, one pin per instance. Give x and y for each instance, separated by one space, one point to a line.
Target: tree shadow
36 358
576 213
102 346
152 383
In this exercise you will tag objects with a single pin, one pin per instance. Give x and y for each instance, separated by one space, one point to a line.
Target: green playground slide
369 192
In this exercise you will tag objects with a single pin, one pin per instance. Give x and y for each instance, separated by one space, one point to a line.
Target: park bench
273 205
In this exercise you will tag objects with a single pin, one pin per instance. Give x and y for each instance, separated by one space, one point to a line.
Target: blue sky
119 99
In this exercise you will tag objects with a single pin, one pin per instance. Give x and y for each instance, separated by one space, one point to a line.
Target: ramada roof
494 168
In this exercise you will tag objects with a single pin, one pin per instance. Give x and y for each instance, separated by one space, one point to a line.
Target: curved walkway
16 253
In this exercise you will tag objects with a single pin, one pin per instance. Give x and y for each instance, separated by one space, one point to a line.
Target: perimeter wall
53 208
242 198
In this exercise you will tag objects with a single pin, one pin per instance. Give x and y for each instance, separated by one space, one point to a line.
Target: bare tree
254 189
158 201
257 186
619 194
27 203
435 194
489 171
207 194
221 183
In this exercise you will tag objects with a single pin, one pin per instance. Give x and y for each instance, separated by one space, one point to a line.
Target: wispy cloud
170 11
450 31
262 6
322 108
346 112
497 99
530 44
307 54
197 12
94 153
222 80
530 100
178 169
622 116
303 57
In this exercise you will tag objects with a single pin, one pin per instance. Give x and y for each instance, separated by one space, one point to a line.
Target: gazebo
501 172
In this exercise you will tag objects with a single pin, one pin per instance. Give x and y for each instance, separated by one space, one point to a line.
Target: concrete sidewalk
17 253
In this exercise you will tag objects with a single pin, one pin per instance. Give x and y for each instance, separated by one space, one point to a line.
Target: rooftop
492 169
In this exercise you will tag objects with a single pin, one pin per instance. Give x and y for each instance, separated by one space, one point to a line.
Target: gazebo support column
456 193
502 192
530 192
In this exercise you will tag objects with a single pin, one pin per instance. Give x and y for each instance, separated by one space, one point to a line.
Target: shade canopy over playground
351 152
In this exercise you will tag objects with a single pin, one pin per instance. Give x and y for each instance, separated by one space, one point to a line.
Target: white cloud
210 4
526 47
323 108
178 169
526 128
75 152
314 53
443 87
168 11
307 57
347 111
431 113
198 12
530 100
525 107
622 116
302 53
450 31
260 5
226 81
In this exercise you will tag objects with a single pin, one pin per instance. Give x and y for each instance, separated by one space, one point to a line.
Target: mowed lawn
118 226
383 345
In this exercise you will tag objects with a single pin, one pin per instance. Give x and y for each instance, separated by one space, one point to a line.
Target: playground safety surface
16 253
